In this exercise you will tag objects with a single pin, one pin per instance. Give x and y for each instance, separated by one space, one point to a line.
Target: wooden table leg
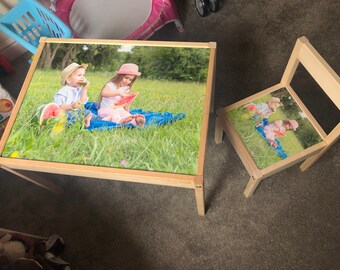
35 179
199 192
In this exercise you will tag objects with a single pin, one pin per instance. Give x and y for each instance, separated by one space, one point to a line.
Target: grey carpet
291 222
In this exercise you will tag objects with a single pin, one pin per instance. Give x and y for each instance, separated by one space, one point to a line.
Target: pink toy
137 19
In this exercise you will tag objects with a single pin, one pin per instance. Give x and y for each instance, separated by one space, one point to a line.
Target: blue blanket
151 118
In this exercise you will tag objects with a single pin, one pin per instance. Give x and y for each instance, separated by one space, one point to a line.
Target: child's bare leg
87 119
140 120
126 120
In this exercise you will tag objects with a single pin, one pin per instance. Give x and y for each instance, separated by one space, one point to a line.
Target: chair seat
264 137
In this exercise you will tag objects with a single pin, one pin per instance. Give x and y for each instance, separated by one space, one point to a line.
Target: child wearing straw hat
263 110
73 94
111 99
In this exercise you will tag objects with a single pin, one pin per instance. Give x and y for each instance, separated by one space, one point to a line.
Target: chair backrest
28 21
317 67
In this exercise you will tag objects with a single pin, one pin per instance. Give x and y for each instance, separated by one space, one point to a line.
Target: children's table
181 142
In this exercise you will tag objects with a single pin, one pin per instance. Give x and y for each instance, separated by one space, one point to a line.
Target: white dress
107 108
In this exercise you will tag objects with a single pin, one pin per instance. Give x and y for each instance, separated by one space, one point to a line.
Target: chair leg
218 130
251 186
311 160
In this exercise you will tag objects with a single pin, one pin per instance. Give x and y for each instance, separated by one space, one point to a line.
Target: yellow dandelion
15 154
247 116
57 129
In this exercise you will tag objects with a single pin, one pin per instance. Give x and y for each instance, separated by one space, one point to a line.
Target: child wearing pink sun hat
278 128
129 69
116 96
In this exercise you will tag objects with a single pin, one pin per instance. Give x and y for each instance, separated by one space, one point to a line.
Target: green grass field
169 148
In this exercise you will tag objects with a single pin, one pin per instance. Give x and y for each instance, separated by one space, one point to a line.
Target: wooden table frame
327 79
25 168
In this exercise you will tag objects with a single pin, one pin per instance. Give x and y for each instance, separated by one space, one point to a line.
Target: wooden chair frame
327 79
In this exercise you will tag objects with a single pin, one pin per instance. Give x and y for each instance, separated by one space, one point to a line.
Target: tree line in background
163 63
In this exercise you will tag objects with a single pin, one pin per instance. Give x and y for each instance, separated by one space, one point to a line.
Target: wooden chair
230 119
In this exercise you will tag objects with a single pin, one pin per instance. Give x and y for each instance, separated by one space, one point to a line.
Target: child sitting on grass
263 110
72 96
116 90
277 128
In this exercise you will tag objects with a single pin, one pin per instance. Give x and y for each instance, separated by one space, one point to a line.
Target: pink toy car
105 19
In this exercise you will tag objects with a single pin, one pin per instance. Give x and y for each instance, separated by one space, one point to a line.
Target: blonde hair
116 80
276 101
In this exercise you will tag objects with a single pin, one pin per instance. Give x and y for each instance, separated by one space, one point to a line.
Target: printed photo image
273 128
120 106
